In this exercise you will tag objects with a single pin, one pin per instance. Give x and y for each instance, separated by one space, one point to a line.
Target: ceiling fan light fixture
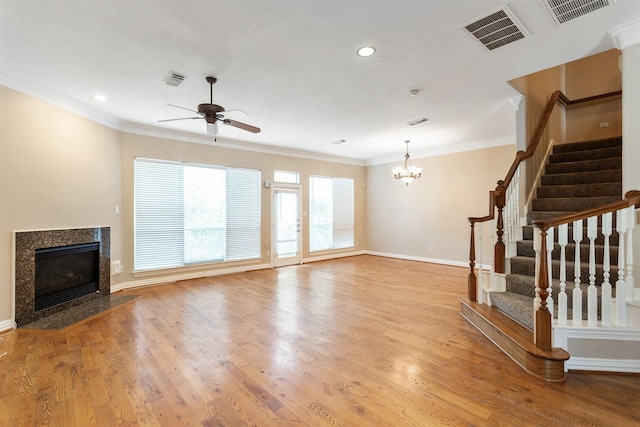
366 51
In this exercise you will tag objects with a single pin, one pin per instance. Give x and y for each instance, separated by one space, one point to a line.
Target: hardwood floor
361 341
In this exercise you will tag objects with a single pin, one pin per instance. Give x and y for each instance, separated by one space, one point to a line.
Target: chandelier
407 172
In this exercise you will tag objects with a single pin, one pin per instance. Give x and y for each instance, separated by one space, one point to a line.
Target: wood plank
355 341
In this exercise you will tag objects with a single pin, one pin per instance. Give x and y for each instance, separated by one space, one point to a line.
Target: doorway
286 222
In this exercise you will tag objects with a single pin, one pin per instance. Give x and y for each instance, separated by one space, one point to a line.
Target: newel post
471 282
500 201
542 334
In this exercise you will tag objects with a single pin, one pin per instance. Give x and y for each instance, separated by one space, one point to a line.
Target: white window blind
330 213
159 214
342 212
205 215
187 214
243 213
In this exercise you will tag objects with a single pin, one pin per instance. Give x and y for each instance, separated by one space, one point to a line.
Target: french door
287 238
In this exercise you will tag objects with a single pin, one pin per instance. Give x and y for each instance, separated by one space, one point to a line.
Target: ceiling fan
213 113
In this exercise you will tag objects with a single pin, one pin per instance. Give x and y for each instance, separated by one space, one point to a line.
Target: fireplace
58 269
66 273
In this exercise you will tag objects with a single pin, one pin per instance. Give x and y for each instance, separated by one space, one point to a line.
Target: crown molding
449 149
157 132
626 35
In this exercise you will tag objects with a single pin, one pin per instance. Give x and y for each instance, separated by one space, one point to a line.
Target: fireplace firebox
66 273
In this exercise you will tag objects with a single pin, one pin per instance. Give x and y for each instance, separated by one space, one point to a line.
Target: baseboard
603 365
599 348
422 259
185 276
333 255
7 325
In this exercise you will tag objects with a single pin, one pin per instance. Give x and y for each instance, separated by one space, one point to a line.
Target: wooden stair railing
497 199
542 332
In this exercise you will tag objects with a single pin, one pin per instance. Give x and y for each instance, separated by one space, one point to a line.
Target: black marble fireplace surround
26 243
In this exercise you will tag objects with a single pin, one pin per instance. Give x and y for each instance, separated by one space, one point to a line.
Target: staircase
578 176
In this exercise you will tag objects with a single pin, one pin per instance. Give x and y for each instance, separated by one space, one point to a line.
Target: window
186 213
286 176
330 213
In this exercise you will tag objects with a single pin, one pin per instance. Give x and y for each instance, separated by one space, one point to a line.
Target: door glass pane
287 224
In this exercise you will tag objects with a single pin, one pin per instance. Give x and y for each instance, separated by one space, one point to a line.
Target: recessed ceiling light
100 98
365 51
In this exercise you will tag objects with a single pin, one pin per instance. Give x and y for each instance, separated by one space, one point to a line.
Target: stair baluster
606 267
592 292
550 235
499 250
621 303
480 277
629 282
471 280
563 234
577 291
542 320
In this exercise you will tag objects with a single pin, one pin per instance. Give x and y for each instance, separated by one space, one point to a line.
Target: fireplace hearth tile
80 312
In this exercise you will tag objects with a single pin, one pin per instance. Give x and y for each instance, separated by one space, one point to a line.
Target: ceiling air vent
497 29
173 78
562 11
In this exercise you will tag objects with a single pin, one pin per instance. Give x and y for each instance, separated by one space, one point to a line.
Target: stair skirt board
516 341
606 350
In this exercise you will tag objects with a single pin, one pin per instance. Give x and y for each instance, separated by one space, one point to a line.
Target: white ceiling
292 65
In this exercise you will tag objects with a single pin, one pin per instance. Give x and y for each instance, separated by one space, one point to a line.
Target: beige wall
57 170
594 75
538 88
428 218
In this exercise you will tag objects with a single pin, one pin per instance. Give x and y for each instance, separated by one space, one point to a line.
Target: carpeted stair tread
542 215
583 190
574 204
584 166
524 248
588 145
527 266
516 306
583 155
518 284
577 178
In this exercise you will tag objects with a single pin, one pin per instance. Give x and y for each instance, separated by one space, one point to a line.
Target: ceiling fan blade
236 113
212 129
183 108
182 118
241 125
